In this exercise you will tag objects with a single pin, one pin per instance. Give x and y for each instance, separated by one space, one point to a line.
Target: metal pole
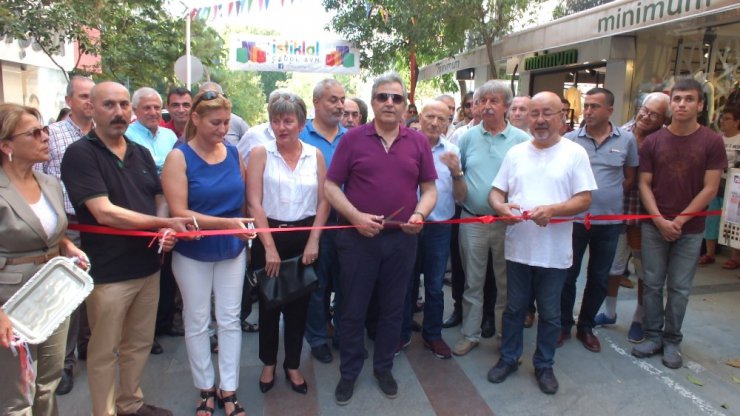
188 64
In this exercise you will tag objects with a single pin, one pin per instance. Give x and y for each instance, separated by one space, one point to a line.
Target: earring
10 157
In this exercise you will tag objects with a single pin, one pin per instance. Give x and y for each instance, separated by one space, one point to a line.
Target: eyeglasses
384 96
653 116
468 104
546 116
207 96
37 133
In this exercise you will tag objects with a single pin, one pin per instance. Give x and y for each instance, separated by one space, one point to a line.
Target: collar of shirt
614 132
93 137
403 131
505 132
143 130
310 129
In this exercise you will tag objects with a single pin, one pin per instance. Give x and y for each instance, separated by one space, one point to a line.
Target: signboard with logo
269 53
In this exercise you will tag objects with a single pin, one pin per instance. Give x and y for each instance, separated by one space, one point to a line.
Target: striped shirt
61 134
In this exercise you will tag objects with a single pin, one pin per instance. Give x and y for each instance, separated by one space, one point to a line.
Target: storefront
30 77
631 47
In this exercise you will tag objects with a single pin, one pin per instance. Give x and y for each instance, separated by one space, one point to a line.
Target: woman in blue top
204 179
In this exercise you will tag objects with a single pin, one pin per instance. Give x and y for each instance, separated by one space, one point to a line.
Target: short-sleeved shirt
444 209
61 135
218 190
159 144
608 160
481 154
678 165
314 138
255 136
90 170
533 177
380 182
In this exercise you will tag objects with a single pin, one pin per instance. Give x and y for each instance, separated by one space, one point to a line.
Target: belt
40 259
474 214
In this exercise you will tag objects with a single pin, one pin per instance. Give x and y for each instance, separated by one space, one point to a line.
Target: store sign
550 60
28 52
634 15
266 53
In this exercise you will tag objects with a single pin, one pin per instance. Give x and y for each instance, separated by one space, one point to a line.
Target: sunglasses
207 96
384 96
37 133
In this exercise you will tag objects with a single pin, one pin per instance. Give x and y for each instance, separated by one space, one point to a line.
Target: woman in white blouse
285 182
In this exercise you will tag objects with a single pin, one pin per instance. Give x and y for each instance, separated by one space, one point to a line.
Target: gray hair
494 87
388 78
286 103
275 94
445 97
144 92
70 85
321 86
659 97
210 86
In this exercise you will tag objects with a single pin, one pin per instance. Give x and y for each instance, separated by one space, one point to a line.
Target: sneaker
439 348
344 391
501 370
464 346
401 346
546 380
387 383
672 356
601 320
635 334
646 349
322 353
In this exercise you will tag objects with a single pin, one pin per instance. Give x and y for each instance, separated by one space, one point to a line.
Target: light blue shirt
481 154
444 209
159 145
311 136
608 160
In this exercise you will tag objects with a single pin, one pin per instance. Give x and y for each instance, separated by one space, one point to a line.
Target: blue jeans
673 265
431 260
602 244
546 284
327 270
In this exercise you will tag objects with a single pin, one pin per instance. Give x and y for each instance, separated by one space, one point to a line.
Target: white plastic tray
47 299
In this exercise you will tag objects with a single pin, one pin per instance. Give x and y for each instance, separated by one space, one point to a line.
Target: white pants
197 280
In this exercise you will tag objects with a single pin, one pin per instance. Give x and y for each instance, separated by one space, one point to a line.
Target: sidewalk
611 382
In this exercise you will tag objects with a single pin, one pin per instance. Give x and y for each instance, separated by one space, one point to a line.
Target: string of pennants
229 9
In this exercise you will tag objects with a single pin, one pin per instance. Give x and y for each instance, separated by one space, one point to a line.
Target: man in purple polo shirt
380 165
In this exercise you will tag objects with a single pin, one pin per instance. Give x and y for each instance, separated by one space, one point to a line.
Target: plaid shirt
61 135
632 203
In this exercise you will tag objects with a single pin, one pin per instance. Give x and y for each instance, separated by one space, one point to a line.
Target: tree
244 90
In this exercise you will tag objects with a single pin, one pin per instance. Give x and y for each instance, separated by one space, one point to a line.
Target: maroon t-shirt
678 165
379 182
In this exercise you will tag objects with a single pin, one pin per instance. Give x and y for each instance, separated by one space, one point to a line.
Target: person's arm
497 200
175 187
6 330
424 207
579 202
668 229
368 225
701 200
255 173
311 252
459 186
630 176
68 249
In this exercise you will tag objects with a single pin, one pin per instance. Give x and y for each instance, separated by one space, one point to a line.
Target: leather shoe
529 320
322 353
546 380
488 329
501 370
66 384
156 348
589 340
453 320
148 410
564 335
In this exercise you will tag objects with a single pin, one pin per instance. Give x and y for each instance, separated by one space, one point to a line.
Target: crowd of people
395 181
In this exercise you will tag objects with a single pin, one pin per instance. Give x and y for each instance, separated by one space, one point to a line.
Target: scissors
388 220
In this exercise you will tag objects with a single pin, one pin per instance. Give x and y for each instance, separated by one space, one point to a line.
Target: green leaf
694 380
735 379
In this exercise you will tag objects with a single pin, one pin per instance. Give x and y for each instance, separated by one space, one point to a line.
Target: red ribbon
587 219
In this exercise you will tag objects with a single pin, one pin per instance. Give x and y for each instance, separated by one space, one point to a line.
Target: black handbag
294 280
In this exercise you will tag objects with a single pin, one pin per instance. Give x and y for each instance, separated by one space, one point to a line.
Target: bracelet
419 213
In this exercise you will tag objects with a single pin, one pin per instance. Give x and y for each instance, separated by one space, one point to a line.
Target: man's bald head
111 109
434 119
545 118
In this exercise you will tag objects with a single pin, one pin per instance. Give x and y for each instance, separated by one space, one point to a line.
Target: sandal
731 264
230 399
206 395
247 327
706 259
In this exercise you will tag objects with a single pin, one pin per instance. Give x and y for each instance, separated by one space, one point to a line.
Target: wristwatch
458 176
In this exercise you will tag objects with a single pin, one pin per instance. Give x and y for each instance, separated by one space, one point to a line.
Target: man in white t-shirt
540 179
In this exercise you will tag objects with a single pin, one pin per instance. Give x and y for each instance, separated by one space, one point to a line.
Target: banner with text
270 53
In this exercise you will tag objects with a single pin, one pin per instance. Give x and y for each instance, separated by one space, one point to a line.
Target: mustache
119 120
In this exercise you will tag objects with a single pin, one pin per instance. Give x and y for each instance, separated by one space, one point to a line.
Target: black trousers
288 244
